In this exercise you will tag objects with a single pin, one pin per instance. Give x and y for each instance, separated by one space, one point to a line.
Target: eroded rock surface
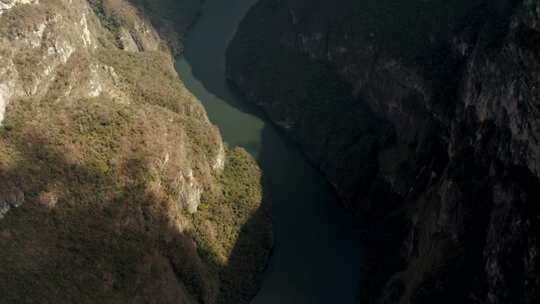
10 197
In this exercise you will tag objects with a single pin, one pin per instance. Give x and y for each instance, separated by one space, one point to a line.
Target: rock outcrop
114 185
10 197
423 115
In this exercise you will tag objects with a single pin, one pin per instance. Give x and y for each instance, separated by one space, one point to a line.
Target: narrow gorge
424 117
270 151
316 252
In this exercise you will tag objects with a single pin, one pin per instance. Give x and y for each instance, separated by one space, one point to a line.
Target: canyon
423 115
315 254
269 151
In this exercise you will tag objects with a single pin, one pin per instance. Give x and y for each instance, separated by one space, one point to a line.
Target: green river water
316 257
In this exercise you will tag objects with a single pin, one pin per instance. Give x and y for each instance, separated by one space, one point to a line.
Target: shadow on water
316 257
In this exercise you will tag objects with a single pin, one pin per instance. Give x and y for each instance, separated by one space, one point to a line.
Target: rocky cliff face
172 18
114 185
423 115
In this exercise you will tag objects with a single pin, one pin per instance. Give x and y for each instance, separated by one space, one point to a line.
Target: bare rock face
423 115
6 5
39 41
10 197
190 192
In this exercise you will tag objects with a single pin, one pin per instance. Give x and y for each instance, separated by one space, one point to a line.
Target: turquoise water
316 258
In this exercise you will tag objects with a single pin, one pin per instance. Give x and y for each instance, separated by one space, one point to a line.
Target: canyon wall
114 185
424 117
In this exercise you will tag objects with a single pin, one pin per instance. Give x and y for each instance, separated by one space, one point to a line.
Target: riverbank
316 253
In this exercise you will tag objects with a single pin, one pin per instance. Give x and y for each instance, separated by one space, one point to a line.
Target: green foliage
233 229
150 78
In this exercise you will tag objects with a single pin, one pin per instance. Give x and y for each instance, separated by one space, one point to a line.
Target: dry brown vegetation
99 220
102 221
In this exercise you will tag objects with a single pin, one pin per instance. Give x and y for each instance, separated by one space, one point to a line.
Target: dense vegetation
233 229
103 180
102 225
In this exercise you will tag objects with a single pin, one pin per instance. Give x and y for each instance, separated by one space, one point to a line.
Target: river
316 258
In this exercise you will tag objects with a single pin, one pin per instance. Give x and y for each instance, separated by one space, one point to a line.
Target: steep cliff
114 185
171 18
424 116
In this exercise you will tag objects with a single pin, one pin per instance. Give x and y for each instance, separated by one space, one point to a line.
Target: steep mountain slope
423 115
171 18
114 185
